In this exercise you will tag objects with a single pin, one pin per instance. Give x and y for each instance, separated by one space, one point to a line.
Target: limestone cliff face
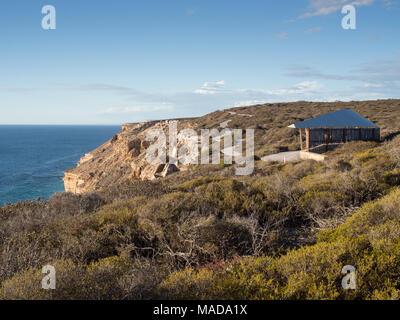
121 158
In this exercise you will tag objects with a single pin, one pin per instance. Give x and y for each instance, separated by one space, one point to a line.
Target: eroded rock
122 158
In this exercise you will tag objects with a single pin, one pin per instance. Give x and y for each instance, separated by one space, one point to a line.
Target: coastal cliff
119 159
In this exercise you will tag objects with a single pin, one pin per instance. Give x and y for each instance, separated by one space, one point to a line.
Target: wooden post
327 139
308 139
360 132
301 139
373 134
344 135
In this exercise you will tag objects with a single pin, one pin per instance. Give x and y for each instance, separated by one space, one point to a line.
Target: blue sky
110 62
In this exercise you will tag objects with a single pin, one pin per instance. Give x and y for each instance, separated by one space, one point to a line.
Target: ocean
33 158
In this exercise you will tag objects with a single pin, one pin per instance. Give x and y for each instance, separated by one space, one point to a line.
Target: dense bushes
117 277
284 233
369 241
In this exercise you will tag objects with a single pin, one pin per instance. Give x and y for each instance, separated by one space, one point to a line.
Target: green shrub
392 178
368 241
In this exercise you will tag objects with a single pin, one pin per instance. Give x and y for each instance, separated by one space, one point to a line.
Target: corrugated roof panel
337 119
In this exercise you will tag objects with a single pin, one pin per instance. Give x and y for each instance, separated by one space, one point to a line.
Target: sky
113 62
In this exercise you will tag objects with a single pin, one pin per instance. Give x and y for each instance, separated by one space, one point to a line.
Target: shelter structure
336 127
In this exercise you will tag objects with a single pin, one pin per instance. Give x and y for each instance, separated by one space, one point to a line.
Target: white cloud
373 85
373 80
244 97
214 88
380 76
211 87
282 36
383 71
389 4
300 88
248 103
313 30
326 7
140 108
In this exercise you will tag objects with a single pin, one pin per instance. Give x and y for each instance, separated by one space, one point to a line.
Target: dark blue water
33 158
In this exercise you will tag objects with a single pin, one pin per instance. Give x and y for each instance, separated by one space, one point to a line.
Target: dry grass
270 121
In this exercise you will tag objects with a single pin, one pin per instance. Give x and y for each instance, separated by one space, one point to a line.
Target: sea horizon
33 158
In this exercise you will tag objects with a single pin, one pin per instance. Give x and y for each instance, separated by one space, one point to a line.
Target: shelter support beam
301 139
327 139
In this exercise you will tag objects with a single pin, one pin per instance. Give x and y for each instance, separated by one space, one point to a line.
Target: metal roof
337 119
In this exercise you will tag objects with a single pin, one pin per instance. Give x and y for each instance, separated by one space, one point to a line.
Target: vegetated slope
283 233
123 157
